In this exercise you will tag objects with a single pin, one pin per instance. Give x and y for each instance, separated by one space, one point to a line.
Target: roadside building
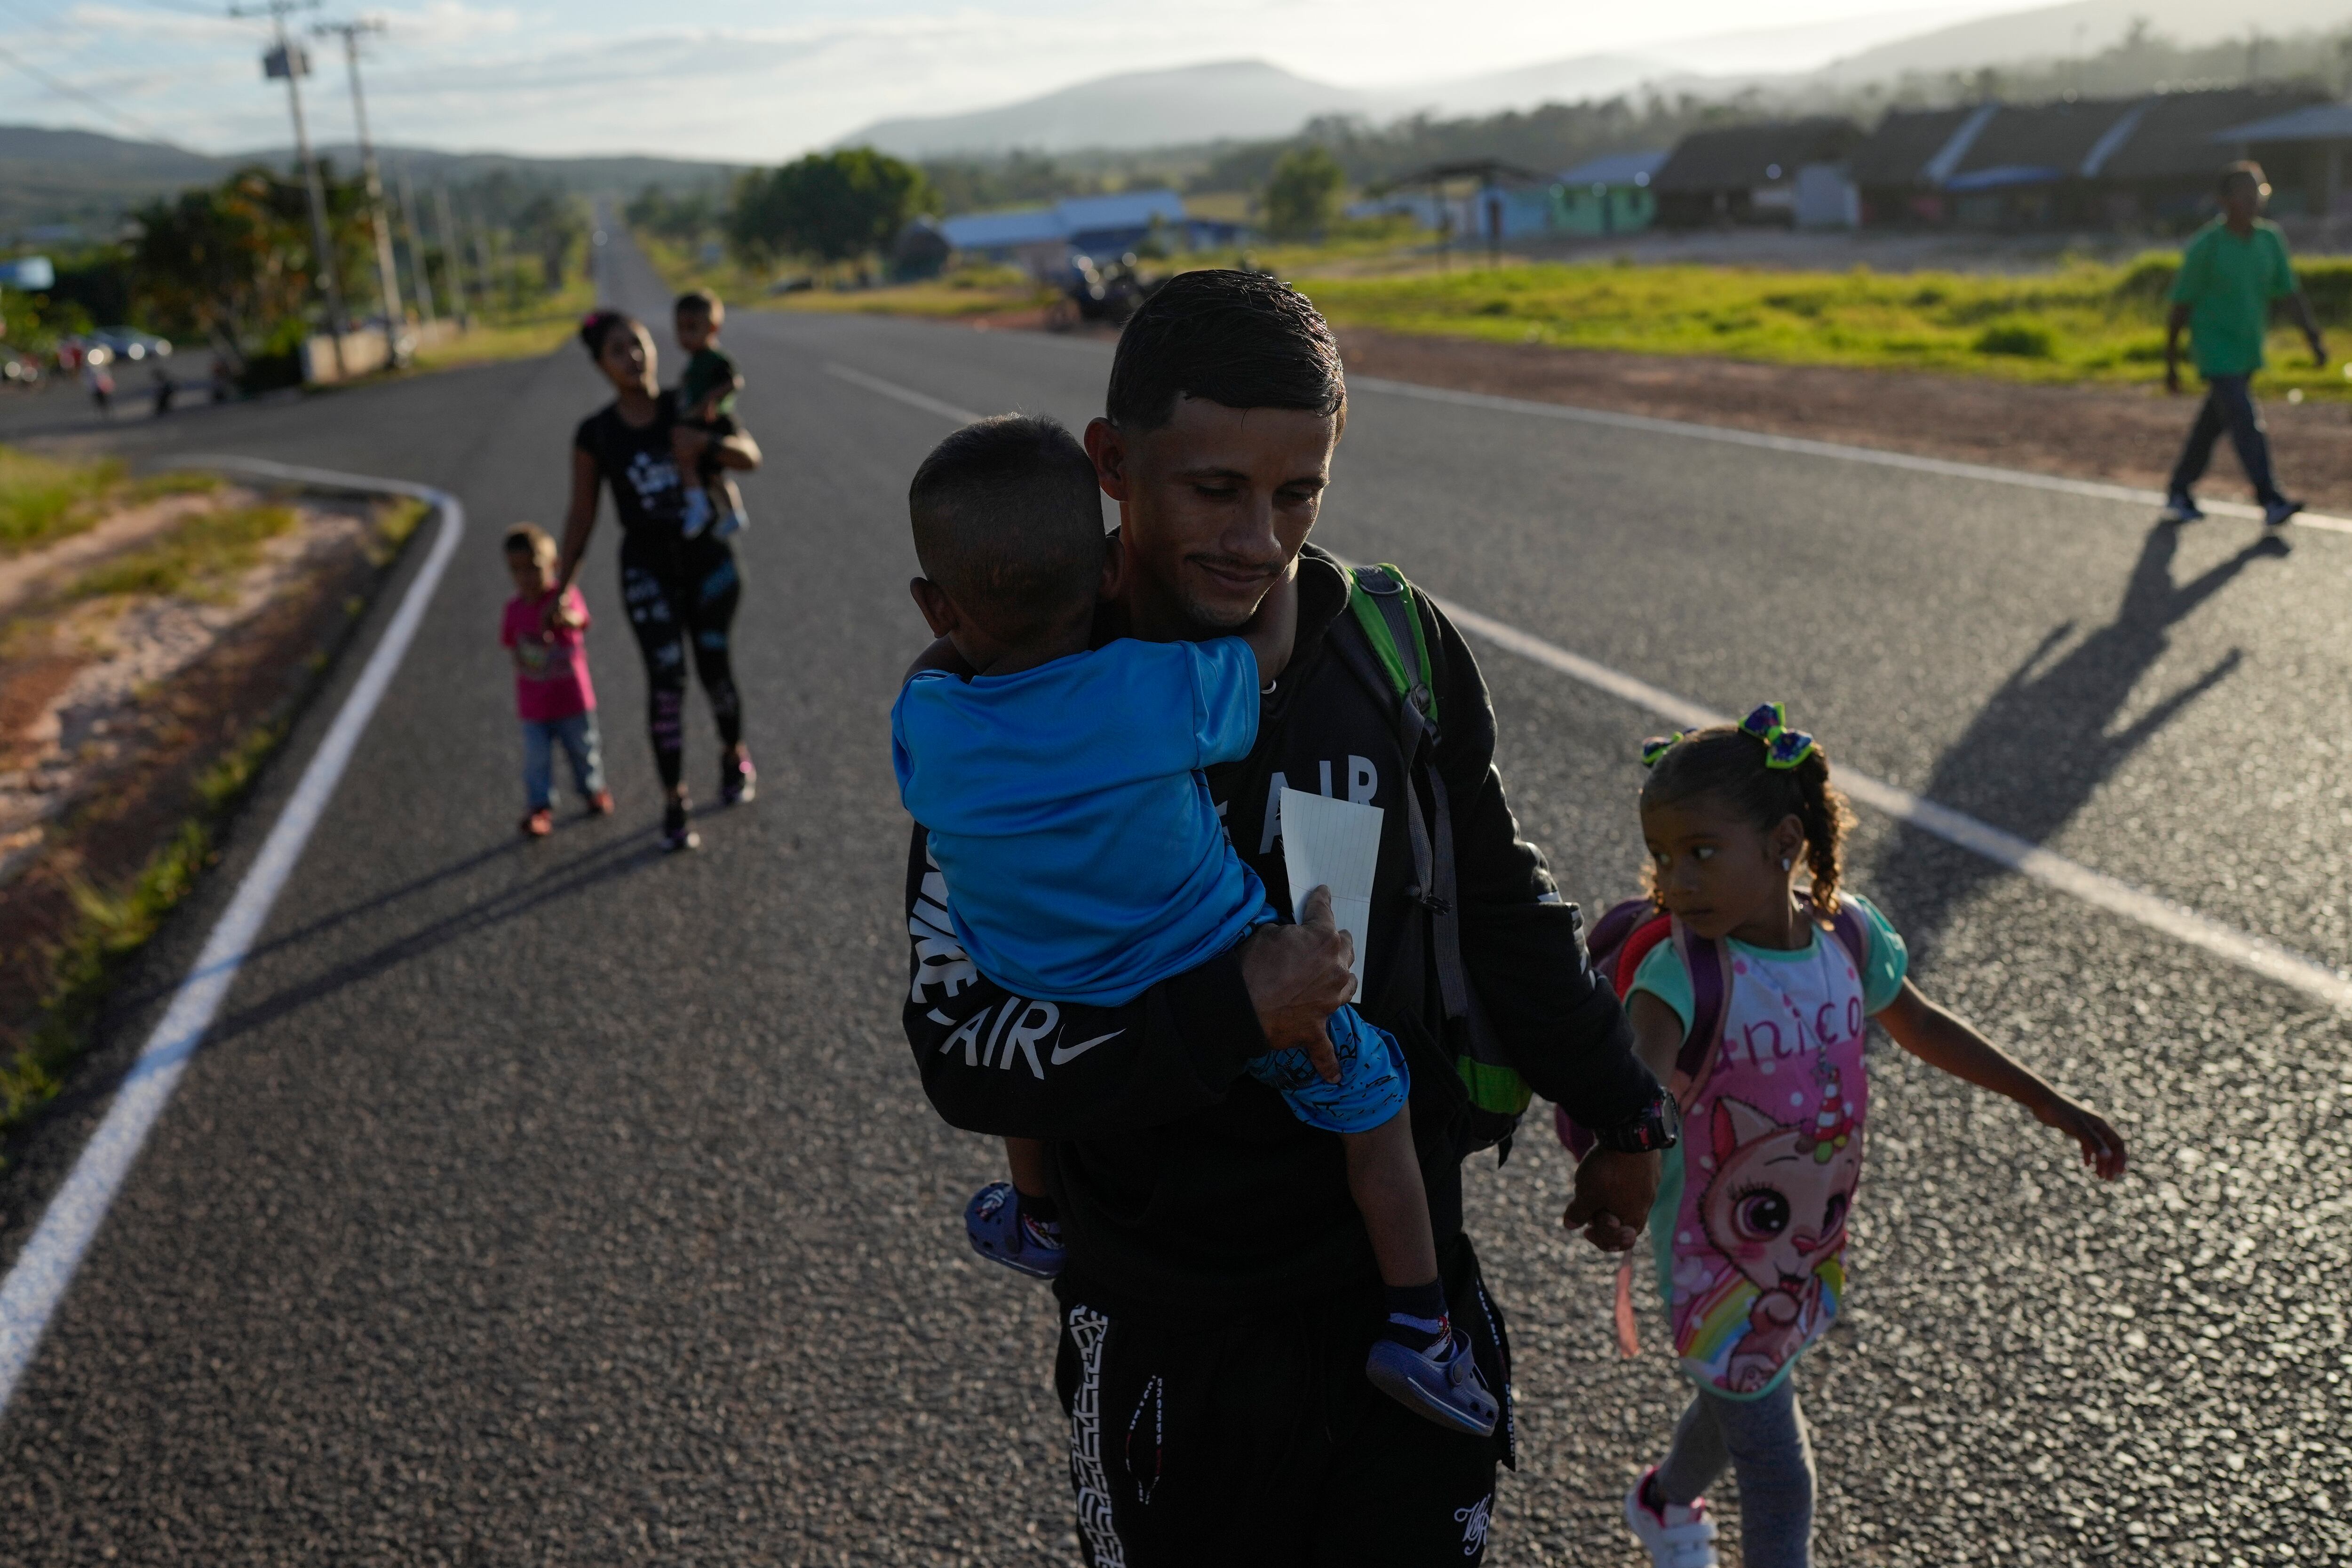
2114 162
1756 174
2303 152
1607 195
1044 239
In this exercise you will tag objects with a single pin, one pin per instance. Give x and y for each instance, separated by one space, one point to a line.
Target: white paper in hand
1333 844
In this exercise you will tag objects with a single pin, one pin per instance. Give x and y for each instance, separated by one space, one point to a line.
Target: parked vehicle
131 343
1109 293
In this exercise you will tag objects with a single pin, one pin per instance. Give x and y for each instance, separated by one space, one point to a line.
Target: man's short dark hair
1008 521
1242 339
698 301
2248 169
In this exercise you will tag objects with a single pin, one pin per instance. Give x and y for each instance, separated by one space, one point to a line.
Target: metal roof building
1748 173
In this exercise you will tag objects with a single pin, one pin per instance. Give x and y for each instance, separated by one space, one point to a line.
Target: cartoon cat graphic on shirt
1776 1207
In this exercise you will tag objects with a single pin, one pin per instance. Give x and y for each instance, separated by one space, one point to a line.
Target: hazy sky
725 78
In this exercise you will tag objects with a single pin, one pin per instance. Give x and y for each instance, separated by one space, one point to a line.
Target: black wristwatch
1658 1126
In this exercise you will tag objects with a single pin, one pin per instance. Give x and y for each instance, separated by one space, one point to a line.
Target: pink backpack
1626 935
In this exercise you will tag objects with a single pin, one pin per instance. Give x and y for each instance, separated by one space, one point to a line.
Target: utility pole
416 268
483 282
449 256
293 62
387 271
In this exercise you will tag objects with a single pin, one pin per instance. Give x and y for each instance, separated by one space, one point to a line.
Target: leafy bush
2016 336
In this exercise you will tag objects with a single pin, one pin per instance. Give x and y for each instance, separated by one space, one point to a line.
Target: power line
57 84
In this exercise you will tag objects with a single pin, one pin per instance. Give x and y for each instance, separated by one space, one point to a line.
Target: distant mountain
1231 99
1569 80
90 182
2080 28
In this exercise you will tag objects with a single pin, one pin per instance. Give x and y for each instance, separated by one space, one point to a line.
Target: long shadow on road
2041 747
613 860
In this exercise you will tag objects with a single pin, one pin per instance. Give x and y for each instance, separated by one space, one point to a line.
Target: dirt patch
128 719
2077 432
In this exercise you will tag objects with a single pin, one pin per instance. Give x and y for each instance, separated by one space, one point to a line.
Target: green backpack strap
1385 607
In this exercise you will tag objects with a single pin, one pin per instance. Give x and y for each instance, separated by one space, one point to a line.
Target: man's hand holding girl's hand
1608 1186
1299 975
2103 1146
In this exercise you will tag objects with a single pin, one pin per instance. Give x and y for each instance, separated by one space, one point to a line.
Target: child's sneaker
993 1219
698 512
539 823
2276 513
731 521
678 828
600 804
1676 1535
739 781
2180 507
1442 1384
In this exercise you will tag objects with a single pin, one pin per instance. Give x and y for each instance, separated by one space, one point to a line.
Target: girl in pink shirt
557 705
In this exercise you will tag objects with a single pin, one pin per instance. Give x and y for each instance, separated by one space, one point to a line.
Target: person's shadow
2041 746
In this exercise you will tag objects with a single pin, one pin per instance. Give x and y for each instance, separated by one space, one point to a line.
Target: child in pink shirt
557 705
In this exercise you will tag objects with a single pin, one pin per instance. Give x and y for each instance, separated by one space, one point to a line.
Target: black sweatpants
2229 407
683 598
1257 1442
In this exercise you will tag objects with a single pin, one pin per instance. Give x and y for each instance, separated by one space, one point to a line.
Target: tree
1303 197
829 205
551 224
232 263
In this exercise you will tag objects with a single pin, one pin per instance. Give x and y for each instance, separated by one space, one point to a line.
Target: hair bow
1657 746
1783 748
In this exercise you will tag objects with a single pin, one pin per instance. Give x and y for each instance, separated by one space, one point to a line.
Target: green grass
977 291
2079 322
198 557
43 500
530 330
109 926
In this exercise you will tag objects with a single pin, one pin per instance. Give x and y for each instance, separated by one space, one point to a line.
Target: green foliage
551 224
831 206
234 263
681 217
1016 179
198 556
2017 336
1302 194
2081 321
43 500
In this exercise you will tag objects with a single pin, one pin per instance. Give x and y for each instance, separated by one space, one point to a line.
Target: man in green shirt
2232 270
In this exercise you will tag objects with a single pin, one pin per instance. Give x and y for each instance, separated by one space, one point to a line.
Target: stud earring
1787 864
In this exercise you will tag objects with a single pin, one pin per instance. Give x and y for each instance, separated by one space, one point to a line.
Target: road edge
44 1269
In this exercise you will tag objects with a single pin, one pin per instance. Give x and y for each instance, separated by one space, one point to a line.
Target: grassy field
2079 322
44 500
966 291
524 331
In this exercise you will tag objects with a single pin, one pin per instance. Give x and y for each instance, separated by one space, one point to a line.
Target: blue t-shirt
1084 858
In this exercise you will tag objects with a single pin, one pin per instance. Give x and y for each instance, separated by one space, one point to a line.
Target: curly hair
1727 763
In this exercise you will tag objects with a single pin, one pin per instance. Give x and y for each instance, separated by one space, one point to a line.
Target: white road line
2259 954
906 395
46 1267
2091 489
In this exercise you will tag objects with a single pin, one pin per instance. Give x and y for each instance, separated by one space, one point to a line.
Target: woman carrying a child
680 592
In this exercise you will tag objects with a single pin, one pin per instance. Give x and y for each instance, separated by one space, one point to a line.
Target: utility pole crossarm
294 64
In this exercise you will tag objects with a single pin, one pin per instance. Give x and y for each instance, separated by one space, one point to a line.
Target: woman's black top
635 461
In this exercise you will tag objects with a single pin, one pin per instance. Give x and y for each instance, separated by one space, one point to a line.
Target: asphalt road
564 1202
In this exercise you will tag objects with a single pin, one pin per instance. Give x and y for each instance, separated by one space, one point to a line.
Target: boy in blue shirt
1066 812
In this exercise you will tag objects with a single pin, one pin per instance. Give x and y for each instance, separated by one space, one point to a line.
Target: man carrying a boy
1219 1292
2229 274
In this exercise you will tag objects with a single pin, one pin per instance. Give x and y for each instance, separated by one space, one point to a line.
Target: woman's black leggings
687 599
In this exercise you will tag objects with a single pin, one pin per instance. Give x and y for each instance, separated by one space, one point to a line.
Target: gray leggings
1765 1440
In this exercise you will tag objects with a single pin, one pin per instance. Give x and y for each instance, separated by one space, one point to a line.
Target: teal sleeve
1890 960
2282 271
2190 282
1224 699
1662 974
